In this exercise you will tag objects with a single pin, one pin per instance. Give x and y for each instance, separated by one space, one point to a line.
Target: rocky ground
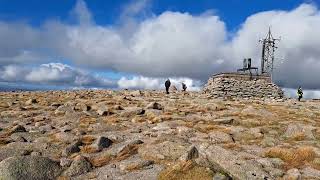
150 135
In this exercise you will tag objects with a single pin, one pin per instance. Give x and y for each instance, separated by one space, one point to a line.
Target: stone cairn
242 86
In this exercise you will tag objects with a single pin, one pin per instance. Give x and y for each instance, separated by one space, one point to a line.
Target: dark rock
18 128
102 142
72 148
192 153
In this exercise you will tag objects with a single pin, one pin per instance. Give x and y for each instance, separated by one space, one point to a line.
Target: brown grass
101 160
293 158
4 141
190 124
232 146
127 152
86 121
299 137
89 149
132 167
205 128
165 117
138 119
188 170
63 178
315 163
111 119
154 120
54 139
88 139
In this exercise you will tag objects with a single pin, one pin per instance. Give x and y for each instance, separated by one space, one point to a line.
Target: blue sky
233 12
138 44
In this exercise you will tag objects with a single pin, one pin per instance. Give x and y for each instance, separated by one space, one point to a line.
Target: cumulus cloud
171 44
140 82
299 46
53 74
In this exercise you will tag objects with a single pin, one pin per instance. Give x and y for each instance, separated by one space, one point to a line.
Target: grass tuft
294 158
187 170
101 160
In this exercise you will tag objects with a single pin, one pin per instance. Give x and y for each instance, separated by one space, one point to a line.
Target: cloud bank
53 74
170 44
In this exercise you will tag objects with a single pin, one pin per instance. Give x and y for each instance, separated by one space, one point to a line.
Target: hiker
184 87
167 84
300 93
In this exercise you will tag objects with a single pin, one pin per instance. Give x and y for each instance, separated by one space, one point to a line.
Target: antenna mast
268 49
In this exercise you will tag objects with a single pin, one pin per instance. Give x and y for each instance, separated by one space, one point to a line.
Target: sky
138 44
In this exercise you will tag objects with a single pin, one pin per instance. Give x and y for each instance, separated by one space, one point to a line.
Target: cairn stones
236 87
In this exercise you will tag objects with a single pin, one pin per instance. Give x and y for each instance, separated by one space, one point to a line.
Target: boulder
82 107
102 142
134 163
293 174
225 120
62 110
230 163
192 153
132 111
310 173
102 109
18 149
154 105
29 168
296 130
136 93
220 137
18 128
112 172
168 150
31 101
123 147
72 148
220 176
79 166
65 162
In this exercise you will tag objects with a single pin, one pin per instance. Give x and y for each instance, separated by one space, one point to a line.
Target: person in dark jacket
300 93
184 87
167 84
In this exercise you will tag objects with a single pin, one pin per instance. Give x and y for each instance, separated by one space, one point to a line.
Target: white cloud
53 73
140 82
171 44
300 44
82 13
180 44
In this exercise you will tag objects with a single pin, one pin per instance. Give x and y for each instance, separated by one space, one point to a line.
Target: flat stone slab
225 161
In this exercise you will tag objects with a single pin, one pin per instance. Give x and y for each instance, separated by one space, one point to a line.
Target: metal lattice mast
268 49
